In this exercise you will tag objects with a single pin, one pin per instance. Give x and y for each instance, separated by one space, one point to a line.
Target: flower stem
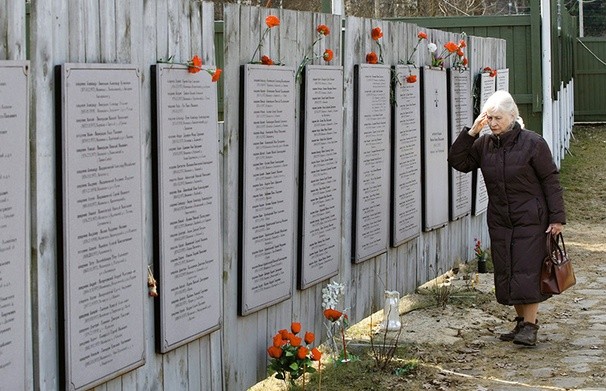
344 345
252 59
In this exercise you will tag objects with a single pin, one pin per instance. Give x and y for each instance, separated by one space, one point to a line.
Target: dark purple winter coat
524 197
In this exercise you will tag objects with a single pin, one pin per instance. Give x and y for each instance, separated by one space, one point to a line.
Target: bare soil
456 346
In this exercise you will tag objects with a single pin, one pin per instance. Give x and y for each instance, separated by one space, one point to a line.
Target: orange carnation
411 78
278 341
332 314
272 21
295 341
328 55
274 352
316 354
465 61
216 75
323 29
462 44
302 353
376 33
266 60
451 47
195 65
295 327
372 58
422 35
309 337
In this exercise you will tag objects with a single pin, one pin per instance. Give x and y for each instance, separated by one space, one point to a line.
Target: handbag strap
553 244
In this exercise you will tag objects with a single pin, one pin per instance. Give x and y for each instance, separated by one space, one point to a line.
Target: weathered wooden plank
124 31
241 34
4 40
12 26
77 51
49 40
107 31
208 33
195 30
92 39
174 27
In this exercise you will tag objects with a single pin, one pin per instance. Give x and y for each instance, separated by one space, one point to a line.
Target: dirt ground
457 345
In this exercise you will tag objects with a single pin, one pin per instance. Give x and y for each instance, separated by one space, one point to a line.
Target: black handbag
557 274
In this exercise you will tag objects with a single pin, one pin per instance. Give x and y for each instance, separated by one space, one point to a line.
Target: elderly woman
525 202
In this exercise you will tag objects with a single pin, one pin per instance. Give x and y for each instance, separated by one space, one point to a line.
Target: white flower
432 47
331 294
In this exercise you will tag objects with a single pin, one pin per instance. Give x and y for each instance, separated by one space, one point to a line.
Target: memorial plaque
102 222
406 173
503 80
188 223
14 222
268 186
371 151
321 190
461 114
480 196
435 148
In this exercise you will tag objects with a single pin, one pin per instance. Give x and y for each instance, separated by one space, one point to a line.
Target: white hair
502 102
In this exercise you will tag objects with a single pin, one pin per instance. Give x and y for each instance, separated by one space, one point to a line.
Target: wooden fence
590 79
142 32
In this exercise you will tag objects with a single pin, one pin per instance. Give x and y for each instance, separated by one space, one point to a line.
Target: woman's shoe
511 335
527 335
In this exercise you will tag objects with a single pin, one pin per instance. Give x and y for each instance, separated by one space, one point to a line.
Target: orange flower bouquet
292 356
372 57
450 48
322 31
491 72
194 66
271 21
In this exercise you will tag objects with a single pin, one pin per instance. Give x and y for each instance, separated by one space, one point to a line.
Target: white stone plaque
406 175
372 154
14 222
187 176
461 114
102 222
502 79
268 186
435 148
480 196
320 211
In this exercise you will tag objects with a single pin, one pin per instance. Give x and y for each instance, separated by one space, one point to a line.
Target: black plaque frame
187 245
406 159
460 114
321 144
279 83
73 89
366 157
434 140
15 252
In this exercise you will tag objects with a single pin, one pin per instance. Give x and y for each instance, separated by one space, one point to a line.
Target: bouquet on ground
291 355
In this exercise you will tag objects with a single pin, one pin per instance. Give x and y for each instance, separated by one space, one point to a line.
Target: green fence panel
590 80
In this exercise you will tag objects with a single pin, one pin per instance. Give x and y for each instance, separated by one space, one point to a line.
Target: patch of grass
364 375
583 176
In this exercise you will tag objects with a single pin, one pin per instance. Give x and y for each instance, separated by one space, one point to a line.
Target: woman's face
499 122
